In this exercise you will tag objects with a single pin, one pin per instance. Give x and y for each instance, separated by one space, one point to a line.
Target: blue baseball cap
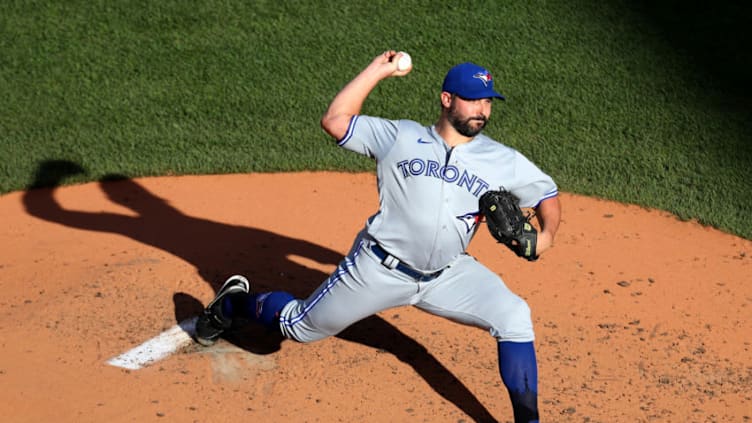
470 81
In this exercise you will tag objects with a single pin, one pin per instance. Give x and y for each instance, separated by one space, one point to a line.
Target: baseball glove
508 224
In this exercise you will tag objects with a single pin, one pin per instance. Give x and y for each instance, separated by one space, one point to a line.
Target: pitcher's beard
465 126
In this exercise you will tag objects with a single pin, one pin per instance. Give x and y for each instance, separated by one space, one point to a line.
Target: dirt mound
639 317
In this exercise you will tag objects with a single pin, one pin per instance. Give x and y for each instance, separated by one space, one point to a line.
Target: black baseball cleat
211 323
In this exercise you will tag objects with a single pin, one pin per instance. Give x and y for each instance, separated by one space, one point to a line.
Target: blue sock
262 308
519 372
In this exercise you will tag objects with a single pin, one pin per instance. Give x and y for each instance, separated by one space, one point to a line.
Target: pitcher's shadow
218 250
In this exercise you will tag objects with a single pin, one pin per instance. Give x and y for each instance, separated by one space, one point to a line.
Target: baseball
404 62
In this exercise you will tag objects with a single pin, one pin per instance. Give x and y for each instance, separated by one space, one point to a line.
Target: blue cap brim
480 94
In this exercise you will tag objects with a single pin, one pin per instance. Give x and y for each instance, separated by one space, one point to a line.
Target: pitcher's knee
514 323
297 323
302 334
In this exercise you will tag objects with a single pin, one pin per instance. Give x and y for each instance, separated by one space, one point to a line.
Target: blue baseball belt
392 262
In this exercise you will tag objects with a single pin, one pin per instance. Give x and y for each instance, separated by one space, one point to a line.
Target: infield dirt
639 317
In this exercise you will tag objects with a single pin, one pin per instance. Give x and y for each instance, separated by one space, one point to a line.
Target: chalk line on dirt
157 348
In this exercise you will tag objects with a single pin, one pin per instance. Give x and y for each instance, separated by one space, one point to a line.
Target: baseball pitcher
437 184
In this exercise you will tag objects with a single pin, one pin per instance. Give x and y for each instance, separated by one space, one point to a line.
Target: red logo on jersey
471 220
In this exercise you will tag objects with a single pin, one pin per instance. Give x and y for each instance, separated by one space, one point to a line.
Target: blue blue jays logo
484 76
471 220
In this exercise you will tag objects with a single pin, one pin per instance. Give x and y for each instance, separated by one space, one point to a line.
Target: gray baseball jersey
412 251
428 192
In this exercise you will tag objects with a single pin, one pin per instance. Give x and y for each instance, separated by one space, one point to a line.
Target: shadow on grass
214 247
715 37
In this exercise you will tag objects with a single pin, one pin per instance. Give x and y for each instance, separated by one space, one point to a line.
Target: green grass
641 102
